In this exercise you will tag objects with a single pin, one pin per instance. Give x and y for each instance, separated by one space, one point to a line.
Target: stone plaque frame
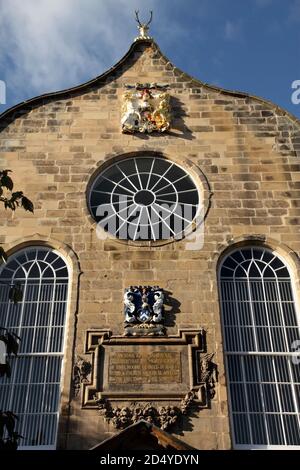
189 346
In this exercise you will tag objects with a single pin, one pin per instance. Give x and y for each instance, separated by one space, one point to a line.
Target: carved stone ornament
152 378
162 416
208 374
81 372
146 108
144 311
143 27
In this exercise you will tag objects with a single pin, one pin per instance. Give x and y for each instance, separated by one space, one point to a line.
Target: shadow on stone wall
172 308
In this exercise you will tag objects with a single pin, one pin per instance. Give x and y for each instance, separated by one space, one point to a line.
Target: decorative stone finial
143 27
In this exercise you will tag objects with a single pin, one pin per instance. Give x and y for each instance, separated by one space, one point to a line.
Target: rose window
144 198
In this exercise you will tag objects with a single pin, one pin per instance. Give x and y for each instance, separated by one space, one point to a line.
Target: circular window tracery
144 198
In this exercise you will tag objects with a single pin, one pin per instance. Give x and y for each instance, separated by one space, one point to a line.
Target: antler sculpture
143 27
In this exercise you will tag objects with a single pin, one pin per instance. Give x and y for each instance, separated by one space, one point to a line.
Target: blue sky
246 45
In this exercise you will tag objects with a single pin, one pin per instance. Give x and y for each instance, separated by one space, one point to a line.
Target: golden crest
146 108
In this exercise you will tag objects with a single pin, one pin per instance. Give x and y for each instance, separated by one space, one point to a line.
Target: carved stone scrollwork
81 371
208 374
163 416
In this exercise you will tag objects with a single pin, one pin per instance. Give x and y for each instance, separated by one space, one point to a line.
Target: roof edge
60 93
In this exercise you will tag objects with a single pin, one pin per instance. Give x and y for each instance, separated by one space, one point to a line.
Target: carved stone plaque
139 368
142 368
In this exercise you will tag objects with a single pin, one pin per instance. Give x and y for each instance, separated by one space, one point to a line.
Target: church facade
188 317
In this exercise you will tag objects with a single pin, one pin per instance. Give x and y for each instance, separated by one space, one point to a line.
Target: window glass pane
235 368
275 430
241 429
278 339
241 271
267 368
259 314
281 364
247 253
295 370
237 255
241 289
231 262
254 397
274 314
245 315
263 339
276 263
267 256
256 290
258 427
238 397
257 253
270 397
251 368
254 270
225 272
286 398
247 339
291 424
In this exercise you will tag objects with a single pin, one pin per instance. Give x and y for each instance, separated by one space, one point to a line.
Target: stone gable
247 149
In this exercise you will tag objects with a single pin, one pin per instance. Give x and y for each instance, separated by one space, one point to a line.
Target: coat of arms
146 108
144 310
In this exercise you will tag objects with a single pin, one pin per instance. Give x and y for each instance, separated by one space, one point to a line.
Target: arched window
33 390
261 335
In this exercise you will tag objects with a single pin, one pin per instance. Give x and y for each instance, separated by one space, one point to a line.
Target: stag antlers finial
143 27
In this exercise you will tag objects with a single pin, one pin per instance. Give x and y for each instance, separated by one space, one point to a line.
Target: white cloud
46 45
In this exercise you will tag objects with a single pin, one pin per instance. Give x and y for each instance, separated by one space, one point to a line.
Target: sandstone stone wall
249 152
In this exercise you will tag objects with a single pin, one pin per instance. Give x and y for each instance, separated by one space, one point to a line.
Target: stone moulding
172 369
